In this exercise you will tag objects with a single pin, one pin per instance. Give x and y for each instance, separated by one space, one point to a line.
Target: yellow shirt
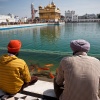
13 73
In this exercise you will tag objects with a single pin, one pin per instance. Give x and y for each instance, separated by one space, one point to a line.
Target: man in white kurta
80 74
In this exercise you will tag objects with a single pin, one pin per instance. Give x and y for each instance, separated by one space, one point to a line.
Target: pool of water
43 45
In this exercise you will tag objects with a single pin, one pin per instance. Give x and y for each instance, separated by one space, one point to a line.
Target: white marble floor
42 88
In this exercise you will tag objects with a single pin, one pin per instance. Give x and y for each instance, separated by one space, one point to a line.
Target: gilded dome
40 6
53 5
48 6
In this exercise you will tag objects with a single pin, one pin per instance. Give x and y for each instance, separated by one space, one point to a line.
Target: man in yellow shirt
14 72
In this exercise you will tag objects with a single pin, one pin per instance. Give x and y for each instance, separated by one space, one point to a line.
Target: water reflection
50 33
54 38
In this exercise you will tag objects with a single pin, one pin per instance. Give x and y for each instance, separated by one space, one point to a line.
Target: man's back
81 75
13 73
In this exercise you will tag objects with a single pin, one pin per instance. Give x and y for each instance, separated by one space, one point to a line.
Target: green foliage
98 15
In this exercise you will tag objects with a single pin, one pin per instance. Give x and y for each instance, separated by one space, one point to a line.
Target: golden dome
53 5
40 6
48 6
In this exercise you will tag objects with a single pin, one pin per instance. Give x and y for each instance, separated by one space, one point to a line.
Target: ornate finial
52 2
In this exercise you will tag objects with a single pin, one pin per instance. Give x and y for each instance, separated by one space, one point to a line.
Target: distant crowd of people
77 76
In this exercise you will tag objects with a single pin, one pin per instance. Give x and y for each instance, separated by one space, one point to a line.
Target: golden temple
50 13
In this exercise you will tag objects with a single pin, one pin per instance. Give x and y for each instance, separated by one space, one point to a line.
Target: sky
22 8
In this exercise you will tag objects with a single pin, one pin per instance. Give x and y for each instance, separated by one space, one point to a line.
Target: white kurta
81 74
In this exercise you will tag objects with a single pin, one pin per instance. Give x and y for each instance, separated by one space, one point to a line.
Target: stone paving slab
42 87
41 90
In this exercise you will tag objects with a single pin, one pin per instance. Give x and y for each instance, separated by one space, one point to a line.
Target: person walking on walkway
78 76
14 72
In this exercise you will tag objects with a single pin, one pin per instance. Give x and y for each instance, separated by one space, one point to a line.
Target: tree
98 15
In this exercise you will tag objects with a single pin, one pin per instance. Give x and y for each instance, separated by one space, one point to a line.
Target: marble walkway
41 90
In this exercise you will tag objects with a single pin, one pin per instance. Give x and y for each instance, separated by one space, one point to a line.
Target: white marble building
70 16
23 19
89 16
5 18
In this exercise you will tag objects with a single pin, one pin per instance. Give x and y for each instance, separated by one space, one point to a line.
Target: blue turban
80 45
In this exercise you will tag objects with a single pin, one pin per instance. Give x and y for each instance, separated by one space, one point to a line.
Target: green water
49 44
